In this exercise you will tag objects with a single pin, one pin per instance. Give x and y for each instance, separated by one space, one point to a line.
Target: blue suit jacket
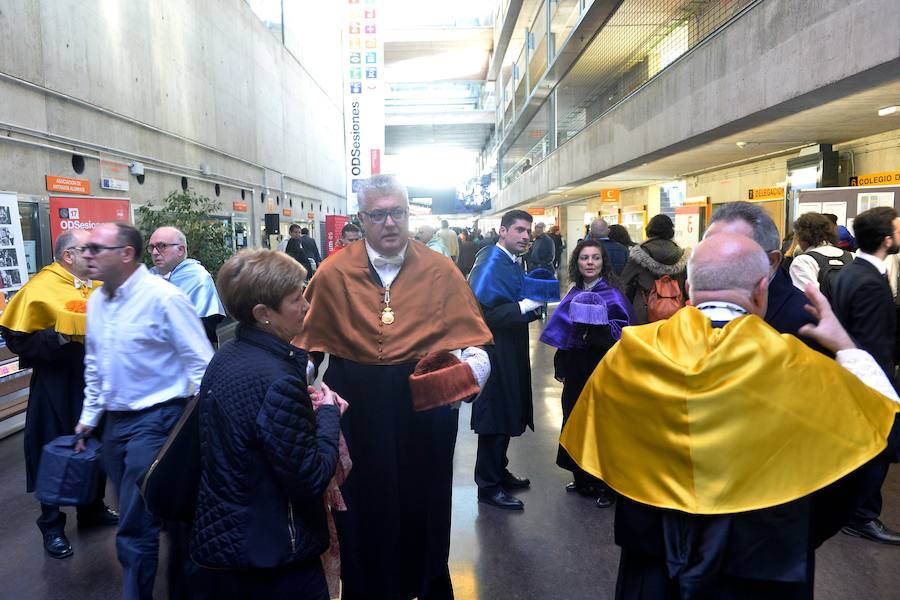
785 311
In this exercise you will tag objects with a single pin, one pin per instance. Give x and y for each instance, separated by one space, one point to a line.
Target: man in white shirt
817 238
146 353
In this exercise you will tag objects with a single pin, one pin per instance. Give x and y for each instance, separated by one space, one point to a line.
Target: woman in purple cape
585 325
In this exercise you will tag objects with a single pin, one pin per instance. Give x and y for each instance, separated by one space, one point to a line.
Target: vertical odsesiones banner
363 95
333 226
84 213
13 266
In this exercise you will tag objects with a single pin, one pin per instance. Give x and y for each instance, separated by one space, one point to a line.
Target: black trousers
304 580
870 509
53 520
491 461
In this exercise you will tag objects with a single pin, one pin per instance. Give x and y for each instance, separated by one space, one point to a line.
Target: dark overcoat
56 391
505 405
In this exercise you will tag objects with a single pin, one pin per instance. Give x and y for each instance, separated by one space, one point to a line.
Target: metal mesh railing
641 39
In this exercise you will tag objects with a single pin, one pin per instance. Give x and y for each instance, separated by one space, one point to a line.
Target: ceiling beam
502 45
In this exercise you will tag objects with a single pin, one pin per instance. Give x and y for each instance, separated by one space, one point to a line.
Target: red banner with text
333 226
85 213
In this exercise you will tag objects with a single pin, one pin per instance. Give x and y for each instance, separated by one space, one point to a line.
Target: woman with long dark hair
585 325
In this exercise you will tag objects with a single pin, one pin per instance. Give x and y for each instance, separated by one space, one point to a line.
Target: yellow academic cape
42 303
682 416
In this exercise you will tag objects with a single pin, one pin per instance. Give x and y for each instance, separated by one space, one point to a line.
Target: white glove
528 305
479 362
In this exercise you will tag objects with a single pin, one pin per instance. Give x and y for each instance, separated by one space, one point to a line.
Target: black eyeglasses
78 249
380 216
97 248
160 246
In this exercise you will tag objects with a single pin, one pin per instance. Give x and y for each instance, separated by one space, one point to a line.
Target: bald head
424 233
168 247
729 268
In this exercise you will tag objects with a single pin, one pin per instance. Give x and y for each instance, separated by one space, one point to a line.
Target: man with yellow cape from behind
45 324
736 450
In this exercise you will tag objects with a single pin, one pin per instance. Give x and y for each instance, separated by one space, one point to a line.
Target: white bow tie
380 262
83 284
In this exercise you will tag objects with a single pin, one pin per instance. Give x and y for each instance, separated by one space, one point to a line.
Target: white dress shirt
387 273
144 345
874 260
804 269
513 258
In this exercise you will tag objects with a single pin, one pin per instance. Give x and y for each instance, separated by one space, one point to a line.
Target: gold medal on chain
387 315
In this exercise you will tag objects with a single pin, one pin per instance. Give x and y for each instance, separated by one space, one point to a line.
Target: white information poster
868 200
13 265
687 226
363 95
838 209
806 207
113 174
31 256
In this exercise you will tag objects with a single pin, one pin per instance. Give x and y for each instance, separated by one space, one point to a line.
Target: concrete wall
769 63
175 85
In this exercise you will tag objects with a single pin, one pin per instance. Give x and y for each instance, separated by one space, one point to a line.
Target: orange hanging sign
610 195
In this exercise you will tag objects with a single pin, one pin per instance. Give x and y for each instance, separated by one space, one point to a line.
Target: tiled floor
559 547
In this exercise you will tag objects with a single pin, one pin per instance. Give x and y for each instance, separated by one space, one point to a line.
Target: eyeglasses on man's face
159 246
97 248
380 216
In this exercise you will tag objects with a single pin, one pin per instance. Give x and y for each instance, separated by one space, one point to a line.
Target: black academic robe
767 553
395 535
575 367
56 390
505 405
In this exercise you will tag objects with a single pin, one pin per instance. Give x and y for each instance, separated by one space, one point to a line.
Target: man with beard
864 305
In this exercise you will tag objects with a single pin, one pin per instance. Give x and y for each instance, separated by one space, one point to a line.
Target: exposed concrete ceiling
838 121
471 136
437 54
439 59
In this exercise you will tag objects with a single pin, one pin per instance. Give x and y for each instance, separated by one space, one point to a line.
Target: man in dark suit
785 312
310 247
863 302
618 254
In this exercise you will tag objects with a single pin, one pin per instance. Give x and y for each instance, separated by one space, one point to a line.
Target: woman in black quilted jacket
269 443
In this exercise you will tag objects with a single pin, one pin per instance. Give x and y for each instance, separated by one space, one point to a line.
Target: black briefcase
170 485
66 477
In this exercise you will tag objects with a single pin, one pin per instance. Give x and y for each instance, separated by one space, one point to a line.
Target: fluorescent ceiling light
888 110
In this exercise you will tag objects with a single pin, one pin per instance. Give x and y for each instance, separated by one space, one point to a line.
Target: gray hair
732 268
599 228
380 186
63 243
765 233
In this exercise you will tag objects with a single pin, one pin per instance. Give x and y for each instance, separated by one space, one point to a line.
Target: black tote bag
169 487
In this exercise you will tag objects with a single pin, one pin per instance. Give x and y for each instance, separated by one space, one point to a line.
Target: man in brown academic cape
377 308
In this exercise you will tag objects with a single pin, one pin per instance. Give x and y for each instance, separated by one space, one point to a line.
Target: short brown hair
814 229
253 277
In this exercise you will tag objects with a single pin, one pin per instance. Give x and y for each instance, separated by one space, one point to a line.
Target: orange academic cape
433 306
